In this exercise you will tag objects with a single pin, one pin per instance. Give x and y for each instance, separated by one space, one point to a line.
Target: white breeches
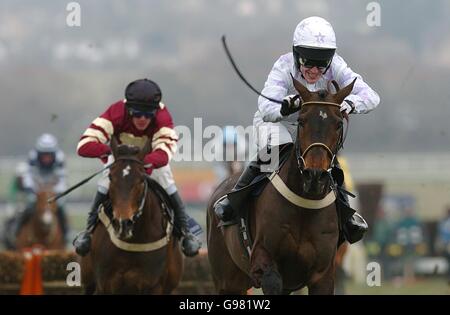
162 175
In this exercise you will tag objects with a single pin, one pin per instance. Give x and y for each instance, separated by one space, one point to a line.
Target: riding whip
242 77
54 198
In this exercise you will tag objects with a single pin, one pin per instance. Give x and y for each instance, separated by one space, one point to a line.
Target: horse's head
45 211
128 187
320 135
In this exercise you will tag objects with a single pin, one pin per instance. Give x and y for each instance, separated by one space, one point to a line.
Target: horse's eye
340 125
301 122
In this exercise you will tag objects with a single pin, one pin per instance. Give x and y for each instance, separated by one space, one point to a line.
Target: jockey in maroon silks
139 117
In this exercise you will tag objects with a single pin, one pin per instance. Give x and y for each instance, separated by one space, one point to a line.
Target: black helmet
143 95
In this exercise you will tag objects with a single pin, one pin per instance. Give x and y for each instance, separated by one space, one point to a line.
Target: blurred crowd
405 246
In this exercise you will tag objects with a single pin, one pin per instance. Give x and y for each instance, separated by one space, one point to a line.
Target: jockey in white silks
46 166
315 63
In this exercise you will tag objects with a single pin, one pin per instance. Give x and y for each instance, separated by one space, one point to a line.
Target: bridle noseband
301 156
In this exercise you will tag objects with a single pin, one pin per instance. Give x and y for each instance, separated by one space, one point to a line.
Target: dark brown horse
43 227
136 253
294 243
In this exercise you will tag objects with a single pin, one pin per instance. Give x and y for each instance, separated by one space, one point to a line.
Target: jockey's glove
290 105
104 158
348 107
148 169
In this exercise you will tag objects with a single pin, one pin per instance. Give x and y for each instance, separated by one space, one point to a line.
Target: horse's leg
87 275
232 292
90 289
227 277
24 236
325 285
174 267
264 271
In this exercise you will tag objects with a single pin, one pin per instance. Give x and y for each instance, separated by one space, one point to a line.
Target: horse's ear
305 94
344 92
336 85
145 150
114 146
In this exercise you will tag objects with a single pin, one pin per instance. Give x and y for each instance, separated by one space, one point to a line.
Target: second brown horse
293 246
137 253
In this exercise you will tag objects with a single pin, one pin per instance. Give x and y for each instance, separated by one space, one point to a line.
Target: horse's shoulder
158 190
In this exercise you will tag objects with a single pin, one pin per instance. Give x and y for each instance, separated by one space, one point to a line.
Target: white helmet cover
315 32
47 143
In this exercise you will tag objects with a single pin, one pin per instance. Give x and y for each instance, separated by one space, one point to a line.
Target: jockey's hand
104 158
348 107
104 152
291 104
148 169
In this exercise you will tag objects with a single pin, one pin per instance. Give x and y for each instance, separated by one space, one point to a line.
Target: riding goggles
322 65
139 113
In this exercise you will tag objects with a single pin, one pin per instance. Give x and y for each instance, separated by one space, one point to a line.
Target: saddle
255 188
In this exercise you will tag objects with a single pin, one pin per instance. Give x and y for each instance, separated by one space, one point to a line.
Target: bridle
301 156
139 211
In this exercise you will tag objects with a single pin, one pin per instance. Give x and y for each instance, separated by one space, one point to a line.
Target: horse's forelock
127 150
322 94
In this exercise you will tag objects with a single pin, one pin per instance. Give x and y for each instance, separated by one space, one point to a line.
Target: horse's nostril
324 176
308 174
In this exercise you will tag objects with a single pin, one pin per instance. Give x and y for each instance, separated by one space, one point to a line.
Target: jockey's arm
60 173
28 180
93 142
363 97
61 184
164 140
276 86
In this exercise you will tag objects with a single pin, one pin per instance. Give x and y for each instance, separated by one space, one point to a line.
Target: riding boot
190 244
82 241
62 218
224 210
355 227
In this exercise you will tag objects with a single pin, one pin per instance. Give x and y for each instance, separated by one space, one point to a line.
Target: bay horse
294 243
135 251
43 227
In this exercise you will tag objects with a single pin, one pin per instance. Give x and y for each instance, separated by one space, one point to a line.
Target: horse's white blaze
47 218
126 171
323 115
